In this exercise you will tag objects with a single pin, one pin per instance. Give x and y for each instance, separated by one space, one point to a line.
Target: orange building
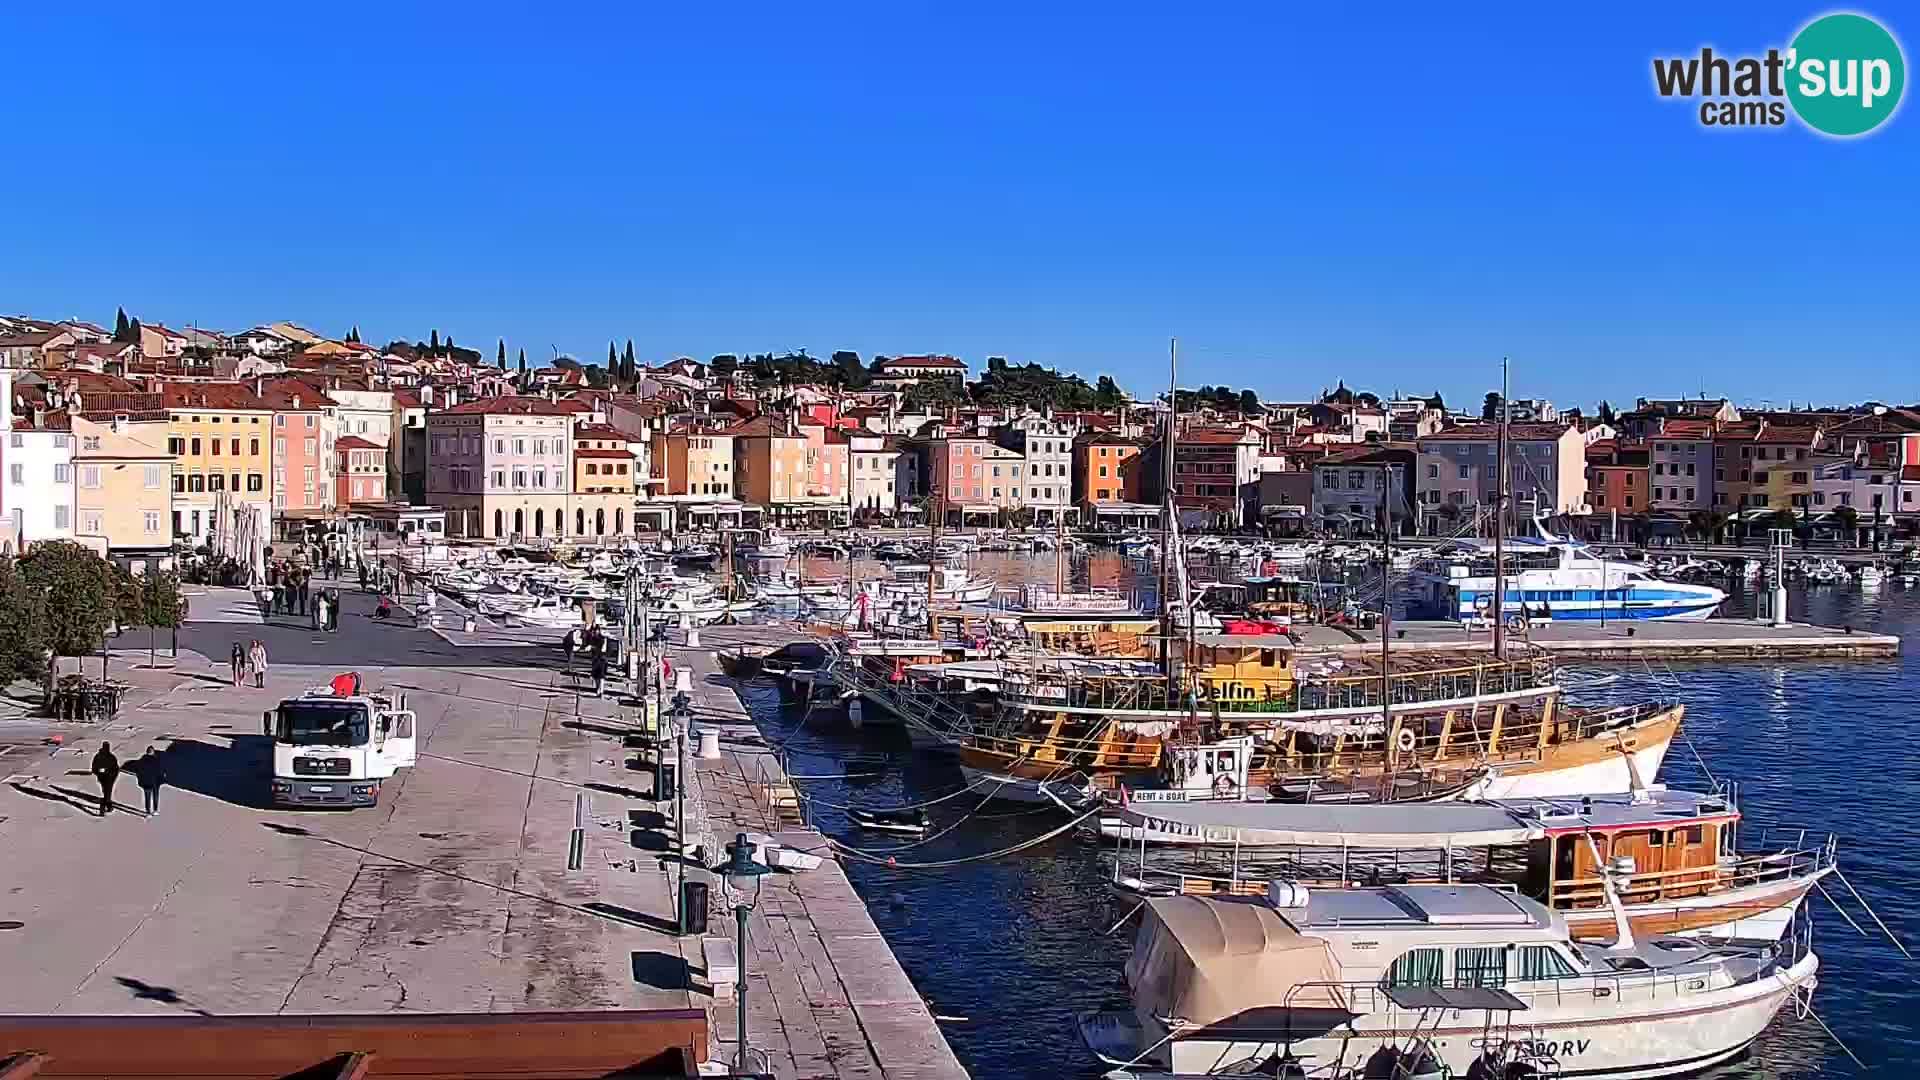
304 427
1617 478
1106 470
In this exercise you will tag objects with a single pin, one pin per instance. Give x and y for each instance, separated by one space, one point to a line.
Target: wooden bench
723 964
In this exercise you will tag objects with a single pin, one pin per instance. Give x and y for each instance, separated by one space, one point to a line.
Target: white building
1047 446
874 482
36 500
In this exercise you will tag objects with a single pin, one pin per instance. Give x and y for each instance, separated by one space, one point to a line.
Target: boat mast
1386 600
1500 525
1167 504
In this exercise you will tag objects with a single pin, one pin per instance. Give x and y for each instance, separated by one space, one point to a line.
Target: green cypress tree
120 325
523 366
433 342
500 355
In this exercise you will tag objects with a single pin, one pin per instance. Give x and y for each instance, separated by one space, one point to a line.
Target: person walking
150 769
599 669
305 595
363 577
333 610
570 644
257 658
106 769
320 611
239 659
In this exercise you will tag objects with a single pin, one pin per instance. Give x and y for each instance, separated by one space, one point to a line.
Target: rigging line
908 806
883 860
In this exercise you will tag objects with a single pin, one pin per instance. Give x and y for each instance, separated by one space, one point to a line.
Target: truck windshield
323 723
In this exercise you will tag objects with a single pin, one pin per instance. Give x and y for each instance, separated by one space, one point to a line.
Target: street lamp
741 871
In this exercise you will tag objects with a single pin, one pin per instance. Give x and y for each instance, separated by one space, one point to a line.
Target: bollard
710 744
693 637
854 711
470 624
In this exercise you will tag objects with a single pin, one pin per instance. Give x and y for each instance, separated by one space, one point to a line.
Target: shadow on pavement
663 971
166 995
237 774
54 793
628 915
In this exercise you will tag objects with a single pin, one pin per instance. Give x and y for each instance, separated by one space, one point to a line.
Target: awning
1204 961
1389 826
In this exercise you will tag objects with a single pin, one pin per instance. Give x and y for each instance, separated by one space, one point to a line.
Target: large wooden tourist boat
1243 714
1690 874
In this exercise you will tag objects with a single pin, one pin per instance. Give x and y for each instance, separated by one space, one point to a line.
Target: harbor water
1009 949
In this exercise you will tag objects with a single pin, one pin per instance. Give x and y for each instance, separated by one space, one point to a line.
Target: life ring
899 671
1405 740
1223 783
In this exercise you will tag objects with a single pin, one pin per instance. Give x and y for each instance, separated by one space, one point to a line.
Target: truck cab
334 750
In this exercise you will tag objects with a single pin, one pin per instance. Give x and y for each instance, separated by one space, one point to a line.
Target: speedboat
550 612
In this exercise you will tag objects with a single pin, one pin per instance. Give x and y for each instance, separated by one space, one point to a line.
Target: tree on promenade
23 619
157 603
84 594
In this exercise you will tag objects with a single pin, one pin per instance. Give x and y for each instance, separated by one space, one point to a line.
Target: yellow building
220 435
123 478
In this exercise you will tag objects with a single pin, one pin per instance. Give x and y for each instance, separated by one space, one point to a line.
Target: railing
1740 872
1063 689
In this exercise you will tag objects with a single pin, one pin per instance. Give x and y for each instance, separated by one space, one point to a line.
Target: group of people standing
294 594
251 660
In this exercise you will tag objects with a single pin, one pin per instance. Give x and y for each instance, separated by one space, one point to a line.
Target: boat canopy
1204 961
1395 826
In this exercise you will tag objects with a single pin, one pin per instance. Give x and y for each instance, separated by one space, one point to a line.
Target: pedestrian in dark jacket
239 659
151 770
599 669
106 769
570 643
363 577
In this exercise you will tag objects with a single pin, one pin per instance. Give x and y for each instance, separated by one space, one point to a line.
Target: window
217 482
18 439
1466 472
214 445
256 483
1538 962
60 519
89 476
309 447
153 521
63 474
179 484
1480 965
90 442
195 444
309 420
59 440
1433 472
1417 967
280 420
175 445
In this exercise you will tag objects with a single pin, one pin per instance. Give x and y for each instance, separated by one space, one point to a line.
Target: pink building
826 464
303 452
361 469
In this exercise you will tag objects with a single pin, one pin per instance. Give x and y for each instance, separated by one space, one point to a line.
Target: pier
1588 640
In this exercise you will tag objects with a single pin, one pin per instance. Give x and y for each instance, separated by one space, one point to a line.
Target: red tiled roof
598 431
405 398
627 455
1686 429
212 395
516 405
1485 430
355 442
294 395
921 361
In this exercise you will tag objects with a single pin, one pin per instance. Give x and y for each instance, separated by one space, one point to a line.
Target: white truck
333 750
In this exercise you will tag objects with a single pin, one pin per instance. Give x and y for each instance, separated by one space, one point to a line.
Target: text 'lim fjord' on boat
1251 716
1691 875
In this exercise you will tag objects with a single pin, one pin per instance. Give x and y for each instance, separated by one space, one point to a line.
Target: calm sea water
1011 948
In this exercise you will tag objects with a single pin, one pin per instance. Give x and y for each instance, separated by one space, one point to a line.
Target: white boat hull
992 785
1639 1031
1609 776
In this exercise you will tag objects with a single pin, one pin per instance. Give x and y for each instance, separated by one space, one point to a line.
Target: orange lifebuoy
899 670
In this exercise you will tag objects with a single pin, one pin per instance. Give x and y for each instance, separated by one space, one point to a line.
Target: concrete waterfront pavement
452 895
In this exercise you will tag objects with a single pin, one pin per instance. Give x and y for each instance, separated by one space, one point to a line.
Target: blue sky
1396 195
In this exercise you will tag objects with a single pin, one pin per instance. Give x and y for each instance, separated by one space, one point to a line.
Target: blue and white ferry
1553 578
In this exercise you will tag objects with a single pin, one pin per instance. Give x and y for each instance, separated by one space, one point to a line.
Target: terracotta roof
294 395
355 442
1490 431
405 398
763 427
598 431
105 406
623 454
516 405
92 382
1686 429
212 395
1212 436
1891 422
57 420
921 361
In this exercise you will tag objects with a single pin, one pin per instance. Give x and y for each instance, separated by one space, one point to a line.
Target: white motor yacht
1416 979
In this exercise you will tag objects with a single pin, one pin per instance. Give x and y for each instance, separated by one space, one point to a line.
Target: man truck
333 749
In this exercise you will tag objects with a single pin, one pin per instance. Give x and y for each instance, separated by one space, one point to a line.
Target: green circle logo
1845 74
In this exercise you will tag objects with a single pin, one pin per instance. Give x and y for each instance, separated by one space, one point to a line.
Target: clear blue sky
1396 195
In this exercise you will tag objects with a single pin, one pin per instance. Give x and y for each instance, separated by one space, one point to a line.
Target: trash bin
693 907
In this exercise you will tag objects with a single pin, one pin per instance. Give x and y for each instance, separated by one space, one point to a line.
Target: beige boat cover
1203 961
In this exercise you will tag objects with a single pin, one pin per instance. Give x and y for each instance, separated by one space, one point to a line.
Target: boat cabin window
1480 965
1266 657
1543 962
1418 967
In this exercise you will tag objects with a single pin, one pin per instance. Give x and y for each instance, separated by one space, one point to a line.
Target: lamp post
741 871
